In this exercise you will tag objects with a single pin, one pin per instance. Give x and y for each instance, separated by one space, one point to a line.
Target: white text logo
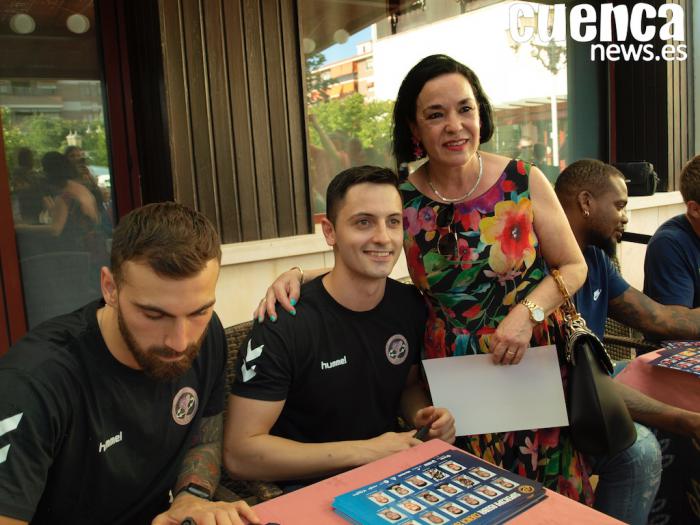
609 22
338 362
108 443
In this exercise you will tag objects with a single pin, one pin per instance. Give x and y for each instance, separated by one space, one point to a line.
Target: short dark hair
174 240
405 107
690 180
343 181
586 174
58 169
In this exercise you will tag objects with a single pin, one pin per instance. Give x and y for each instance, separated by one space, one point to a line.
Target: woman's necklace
466 195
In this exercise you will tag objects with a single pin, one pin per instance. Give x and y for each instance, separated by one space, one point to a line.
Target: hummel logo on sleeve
251 354
597 293
8 425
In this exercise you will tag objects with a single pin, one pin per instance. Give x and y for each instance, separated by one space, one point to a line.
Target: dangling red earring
418 151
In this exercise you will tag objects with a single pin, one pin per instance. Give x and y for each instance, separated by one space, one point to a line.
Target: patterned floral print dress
474 261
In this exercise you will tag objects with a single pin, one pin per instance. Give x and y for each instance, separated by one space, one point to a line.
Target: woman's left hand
512 337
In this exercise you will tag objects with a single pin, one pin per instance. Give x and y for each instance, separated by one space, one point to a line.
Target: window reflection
356 56
56 151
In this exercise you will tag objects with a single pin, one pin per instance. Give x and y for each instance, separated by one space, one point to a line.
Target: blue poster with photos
450 488
683 356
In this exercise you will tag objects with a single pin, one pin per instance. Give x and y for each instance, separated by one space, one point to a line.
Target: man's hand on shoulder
204 512
440 420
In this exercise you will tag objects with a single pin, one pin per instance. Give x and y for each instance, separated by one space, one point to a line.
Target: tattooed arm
202 466
635 309
202 463
651 412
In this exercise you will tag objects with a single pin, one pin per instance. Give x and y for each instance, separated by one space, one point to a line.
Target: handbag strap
567 307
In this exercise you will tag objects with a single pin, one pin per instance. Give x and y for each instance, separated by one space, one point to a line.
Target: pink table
672 387
312 505
676 501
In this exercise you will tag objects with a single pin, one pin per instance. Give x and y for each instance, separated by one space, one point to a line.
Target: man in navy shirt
594 196
672 261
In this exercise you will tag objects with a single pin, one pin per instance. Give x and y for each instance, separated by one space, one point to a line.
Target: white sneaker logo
597 293
249 373
8 425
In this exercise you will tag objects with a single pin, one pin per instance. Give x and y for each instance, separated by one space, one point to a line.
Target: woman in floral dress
478 230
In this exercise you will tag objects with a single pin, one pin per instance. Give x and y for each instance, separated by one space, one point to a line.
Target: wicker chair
251 491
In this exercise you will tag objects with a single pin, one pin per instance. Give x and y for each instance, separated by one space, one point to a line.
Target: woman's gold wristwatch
536 312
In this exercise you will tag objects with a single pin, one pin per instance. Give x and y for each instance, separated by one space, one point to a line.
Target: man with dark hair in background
594 196
672 261
319 390
106 410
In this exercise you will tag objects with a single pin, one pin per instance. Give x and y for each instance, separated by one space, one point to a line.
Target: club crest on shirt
185 405
396 349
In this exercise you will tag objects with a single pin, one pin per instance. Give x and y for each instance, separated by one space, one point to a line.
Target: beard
607 244
149 359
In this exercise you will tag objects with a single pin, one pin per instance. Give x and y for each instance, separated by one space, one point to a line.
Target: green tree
352 116
43 133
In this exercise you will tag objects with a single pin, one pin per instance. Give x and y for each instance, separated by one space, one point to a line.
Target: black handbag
599 421
640 177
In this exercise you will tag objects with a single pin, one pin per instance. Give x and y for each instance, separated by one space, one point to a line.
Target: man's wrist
195 489
690 423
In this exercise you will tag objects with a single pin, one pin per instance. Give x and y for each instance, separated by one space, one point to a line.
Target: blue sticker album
450 488
680 355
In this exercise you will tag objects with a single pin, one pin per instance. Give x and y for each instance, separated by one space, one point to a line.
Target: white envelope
484 397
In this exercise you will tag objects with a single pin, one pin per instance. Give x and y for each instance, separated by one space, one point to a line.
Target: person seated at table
478 251
672 260
113 413
320 393
594 196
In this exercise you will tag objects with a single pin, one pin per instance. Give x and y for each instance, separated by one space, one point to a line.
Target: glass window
357 55
695 81
56 149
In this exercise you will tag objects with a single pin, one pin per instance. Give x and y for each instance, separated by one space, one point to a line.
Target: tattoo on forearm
651 412
635 309
202 464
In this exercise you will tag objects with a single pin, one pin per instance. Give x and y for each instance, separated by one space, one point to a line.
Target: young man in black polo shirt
106 410
319 392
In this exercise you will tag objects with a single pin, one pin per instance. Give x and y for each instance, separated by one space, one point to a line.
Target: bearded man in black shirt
108 409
